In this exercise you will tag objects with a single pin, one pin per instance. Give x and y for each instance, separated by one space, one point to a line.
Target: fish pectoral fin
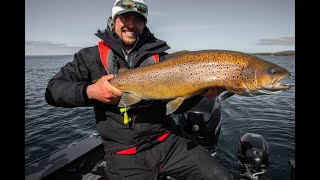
128 99
174 105
234 90
250 87
226 95
231 91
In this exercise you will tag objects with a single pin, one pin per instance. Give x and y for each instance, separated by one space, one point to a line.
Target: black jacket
68 89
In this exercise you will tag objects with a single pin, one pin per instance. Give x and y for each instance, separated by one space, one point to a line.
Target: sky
63 27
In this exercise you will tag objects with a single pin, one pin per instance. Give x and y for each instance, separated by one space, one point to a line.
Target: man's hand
212 92
103 91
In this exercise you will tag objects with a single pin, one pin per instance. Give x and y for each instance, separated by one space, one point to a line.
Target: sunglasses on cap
131 4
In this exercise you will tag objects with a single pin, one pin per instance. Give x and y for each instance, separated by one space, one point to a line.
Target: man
150 144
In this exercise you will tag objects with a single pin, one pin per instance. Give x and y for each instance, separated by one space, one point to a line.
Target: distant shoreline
281 53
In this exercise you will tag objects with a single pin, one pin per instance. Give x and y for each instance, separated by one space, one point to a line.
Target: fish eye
272 71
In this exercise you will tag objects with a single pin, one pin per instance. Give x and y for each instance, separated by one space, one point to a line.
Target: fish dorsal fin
128 99
176 54
174 105
122 70
226 95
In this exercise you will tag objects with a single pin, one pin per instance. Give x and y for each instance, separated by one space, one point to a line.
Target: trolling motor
253 156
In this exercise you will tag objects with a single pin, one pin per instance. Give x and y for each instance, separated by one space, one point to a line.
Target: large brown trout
187 73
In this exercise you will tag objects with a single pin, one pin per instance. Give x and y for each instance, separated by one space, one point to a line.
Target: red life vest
104 51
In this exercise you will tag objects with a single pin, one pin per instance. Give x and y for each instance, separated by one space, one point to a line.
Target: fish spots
191 71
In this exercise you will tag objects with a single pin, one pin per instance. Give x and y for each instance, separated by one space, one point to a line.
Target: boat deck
80 160
97 173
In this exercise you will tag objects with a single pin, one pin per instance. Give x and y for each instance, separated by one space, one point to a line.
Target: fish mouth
278 87
275 82
275 86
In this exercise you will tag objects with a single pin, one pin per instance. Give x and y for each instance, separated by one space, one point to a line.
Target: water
272 116
49 128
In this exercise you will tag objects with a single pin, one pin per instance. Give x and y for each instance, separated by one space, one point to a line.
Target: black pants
169 158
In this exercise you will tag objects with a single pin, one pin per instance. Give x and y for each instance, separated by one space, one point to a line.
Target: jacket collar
146 43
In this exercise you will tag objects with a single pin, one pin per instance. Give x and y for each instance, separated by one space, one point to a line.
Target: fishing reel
253 156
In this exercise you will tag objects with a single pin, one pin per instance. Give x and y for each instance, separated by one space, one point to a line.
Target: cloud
184 28
282 41
49 48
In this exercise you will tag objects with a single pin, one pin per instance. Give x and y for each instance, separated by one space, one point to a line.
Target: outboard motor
253 155
203 123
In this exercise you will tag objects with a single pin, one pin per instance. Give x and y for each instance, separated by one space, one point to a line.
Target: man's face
128 26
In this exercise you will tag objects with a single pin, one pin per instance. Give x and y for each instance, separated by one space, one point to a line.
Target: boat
83 159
